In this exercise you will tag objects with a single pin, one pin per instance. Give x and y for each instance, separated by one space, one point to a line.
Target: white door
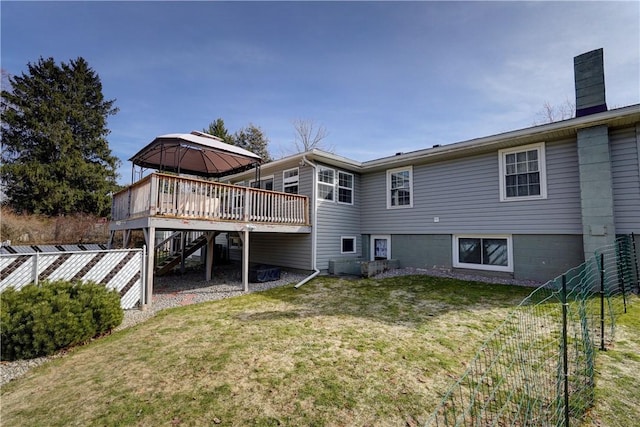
380 247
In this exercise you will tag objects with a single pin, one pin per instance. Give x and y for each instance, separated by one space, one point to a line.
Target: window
266 183
235 242
348 245
290 180
345 188
522 173
400 188
326 183
483 253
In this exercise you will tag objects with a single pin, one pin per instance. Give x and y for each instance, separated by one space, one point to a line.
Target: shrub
41 319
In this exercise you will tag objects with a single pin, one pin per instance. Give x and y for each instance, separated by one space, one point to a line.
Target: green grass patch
334 352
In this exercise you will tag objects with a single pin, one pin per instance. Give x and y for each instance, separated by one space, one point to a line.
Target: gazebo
195 153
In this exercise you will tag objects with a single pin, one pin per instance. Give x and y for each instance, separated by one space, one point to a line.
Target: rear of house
527 204
524 204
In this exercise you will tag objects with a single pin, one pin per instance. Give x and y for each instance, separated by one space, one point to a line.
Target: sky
380 77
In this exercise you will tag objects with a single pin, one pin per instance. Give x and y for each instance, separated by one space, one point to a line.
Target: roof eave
617 117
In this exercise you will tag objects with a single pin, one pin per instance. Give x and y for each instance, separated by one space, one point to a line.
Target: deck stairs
170 261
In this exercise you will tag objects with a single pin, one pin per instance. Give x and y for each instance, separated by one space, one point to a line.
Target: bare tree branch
309 135
555 113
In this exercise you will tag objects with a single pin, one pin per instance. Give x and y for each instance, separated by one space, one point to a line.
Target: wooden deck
173 202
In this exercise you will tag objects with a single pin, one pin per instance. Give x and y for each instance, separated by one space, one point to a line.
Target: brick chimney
589 79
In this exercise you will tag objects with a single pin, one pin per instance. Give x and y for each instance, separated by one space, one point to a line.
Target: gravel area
191 288
469 276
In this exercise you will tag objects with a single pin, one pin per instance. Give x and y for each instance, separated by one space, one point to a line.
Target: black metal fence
537 368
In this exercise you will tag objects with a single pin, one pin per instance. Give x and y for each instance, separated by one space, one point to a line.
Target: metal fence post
565 350
143 271
602 302
620 252
36 258
635 260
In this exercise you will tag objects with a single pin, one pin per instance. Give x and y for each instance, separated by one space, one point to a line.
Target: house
527 204
530 203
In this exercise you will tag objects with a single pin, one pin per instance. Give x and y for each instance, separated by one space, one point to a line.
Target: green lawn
335 352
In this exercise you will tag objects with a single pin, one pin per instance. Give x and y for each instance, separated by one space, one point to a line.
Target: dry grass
617 369
334 352
24 229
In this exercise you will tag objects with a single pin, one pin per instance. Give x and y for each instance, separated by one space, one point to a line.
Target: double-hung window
336 186
400 188
523 173
326 183
345 188
493 253
290 180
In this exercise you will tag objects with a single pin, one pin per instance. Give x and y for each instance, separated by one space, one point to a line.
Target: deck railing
180 197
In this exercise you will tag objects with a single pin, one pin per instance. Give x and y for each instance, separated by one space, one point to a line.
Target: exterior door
380 247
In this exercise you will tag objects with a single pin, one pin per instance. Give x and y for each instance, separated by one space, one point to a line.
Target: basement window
348 245
493 253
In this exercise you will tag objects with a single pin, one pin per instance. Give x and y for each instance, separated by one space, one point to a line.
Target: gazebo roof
195 153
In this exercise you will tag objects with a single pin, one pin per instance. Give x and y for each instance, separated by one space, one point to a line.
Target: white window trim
342 239
263 178
333 185
372 249
542 168
338 187
391 171
290 182
456 263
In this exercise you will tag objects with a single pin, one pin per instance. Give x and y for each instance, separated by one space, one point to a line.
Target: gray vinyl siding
465 196
281 249
336 220
625 170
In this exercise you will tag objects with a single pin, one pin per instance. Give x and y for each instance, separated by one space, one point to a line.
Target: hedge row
38 320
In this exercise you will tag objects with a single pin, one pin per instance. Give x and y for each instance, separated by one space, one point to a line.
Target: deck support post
126 238
150 239
245 260
244 235
211 244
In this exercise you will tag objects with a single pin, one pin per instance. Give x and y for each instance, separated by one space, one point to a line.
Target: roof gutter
314 229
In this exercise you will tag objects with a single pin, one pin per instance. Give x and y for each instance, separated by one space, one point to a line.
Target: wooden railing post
247 203
153 195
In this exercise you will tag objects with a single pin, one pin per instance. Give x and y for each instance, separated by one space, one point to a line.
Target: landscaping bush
41 319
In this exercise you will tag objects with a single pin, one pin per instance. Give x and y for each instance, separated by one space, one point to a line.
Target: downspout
314 230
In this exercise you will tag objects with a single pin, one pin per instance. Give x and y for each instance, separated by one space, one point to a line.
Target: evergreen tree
217 128
253 139
56 158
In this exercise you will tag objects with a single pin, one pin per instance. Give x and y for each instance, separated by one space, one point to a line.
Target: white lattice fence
122 270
